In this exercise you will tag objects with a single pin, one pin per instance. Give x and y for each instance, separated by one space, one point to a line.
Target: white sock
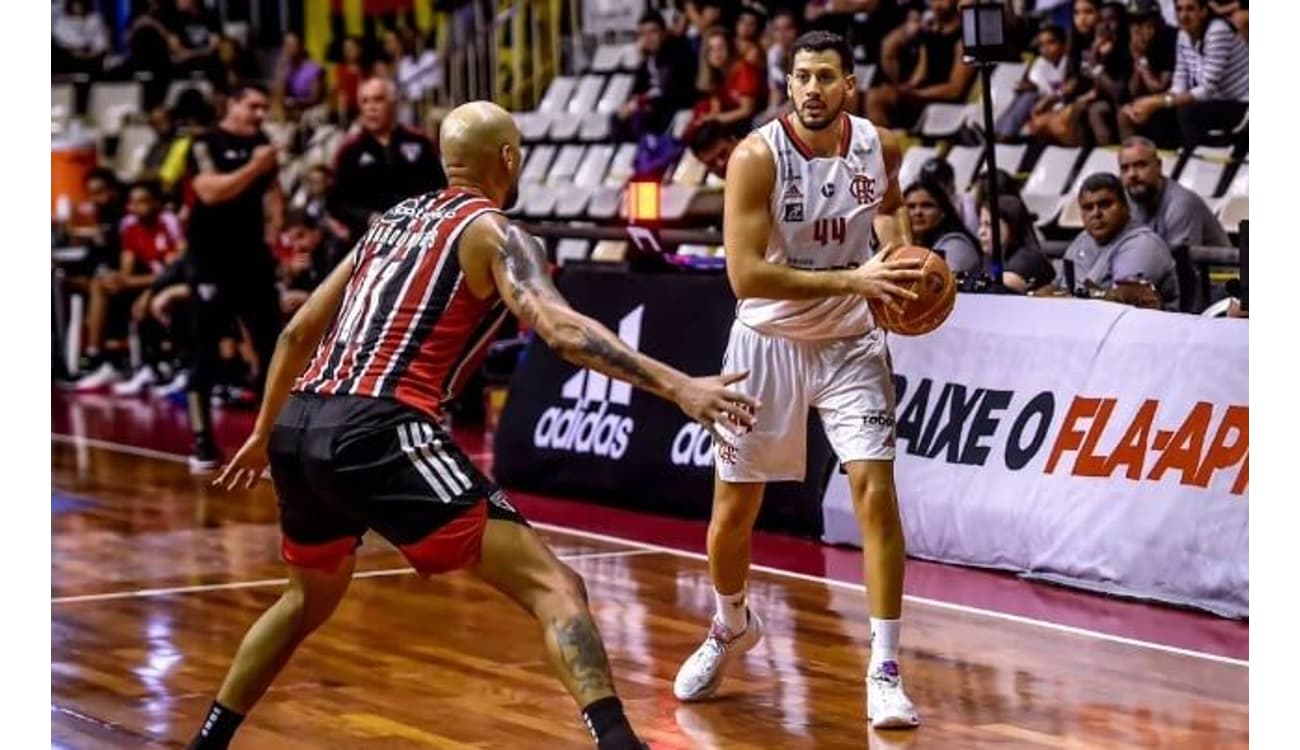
731 610
884 642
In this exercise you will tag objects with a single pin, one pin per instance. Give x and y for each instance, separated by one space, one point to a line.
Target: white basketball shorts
849 381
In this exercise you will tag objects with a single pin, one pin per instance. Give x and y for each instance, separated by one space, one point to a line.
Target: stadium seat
964 161
532 125
1168 163
620 169
1202 175
610 251
179 87
1240 181
942 120
537 165
863 74
1047 180
607 198
631 57
565 124
689 170
680 121
62 101
558 178
1010 156
132 145
913 158
595 127
1099 160
618 91
675 200
571 249
572 199
112 102
1234 210
558 93
1003 82
609 57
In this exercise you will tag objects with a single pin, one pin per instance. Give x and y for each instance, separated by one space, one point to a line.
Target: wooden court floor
155 578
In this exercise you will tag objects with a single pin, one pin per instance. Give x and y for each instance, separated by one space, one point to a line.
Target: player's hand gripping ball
936 292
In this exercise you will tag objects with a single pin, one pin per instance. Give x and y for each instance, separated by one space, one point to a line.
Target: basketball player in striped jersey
349 424
808 199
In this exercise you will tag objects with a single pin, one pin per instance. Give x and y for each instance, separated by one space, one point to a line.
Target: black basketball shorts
345 464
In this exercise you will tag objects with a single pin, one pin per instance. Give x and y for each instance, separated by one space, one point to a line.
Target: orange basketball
936 290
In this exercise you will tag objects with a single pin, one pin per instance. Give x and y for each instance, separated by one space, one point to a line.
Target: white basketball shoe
888 707
701 674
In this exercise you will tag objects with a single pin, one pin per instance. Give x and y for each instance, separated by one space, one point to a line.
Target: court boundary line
114 446
264 582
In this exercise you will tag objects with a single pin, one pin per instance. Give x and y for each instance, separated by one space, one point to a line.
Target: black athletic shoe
205 458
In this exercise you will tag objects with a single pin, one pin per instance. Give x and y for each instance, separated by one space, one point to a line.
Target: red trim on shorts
325 557
457 545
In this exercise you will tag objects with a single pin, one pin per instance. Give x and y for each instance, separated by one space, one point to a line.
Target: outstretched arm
495 253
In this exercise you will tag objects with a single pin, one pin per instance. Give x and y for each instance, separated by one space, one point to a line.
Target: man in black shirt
231 268
383 164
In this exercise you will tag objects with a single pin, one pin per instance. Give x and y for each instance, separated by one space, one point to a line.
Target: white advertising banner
1082 442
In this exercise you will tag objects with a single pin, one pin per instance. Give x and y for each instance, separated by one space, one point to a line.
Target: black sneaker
205 458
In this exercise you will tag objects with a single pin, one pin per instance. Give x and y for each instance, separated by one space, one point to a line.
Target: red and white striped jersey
409 328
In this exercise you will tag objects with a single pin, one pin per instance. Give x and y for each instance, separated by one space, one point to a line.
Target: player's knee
875 505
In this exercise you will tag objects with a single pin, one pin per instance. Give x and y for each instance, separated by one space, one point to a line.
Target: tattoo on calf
583 655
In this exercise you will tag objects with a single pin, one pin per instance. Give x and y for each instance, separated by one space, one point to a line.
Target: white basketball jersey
822 210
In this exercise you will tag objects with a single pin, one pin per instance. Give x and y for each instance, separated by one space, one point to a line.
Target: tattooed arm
495 254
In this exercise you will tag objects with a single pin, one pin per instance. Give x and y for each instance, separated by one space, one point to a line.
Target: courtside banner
570 431
1083 442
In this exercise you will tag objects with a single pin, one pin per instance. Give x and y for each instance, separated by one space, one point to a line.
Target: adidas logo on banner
587 426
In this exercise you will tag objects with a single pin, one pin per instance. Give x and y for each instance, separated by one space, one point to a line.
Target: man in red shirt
151 236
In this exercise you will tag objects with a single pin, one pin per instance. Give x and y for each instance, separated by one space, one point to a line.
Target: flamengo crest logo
588 427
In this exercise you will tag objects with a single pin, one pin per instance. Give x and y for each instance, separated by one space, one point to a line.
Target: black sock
217 730
608 725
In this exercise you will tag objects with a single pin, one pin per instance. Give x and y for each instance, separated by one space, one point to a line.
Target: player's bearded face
818 87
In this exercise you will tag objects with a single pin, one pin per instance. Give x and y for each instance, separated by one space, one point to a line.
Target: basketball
937 292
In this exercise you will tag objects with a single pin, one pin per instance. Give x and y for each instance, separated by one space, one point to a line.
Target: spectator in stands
712 144
1177 214
307 256
751 22
382 164
1057 120
313 196
150 238
785 29
940 74
1236 11
1024 267
164 137
939 172
698 16
1041 85
300 82
419 71
194 31
1113 247
232 64
664 82
729 86
95 221
1152 45
937 224
79 39
1111 62
900 51
347 79
149 51
1211 86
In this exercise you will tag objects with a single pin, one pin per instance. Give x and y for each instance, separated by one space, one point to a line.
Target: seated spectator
1236 11
1211 86
149 51
1113 247
1024 267
729 86
697 17
307 255
347 79
1152 45
151 237
1178 215
940 74
1042 84
94 224
936 224
313 195
194 32
79 39
232 64
300 82
750 24
419 71
382 164
900 51
712 144
1112 66
784 31
664 83
164 137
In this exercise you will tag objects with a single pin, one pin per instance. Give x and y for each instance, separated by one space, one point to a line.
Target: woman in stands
1059 119
729 86
936 224
1024 268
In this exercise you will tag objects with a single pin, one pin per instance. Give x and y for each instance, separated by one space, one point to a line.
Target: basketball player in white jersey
809 197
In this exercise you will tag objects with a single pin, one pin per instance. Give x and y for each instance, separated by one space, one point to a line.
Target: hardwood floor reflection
447 663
